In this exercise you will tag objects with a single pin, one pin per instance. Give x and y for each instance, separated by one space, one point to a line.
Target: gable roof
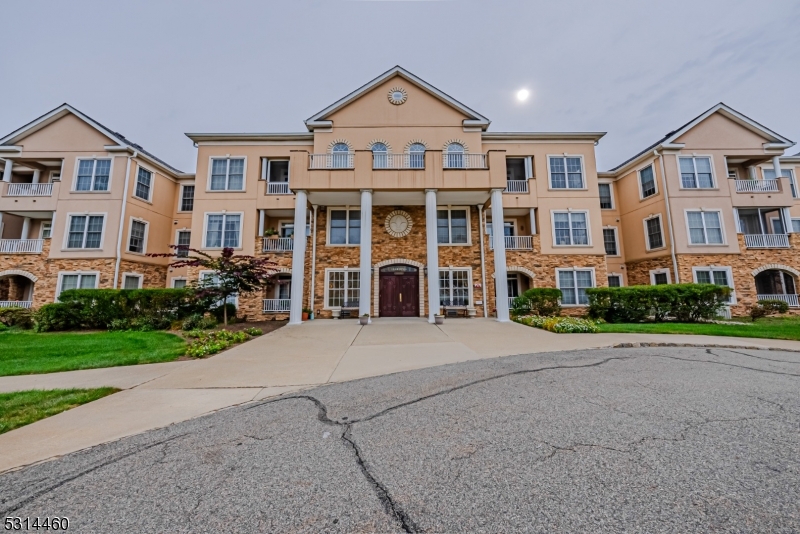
65 109
777 140
475 118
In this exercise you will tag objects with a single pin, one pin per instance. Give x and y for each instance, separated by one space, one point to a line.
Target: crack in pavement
756 357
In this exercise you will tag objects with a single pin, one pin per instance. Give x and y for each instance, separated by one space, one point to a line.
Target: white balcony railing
15 303
342 160
757 186
791 300
515 242
766 241
30 190
278 188
21 246
277 305
398 161
281 244
464 161
516 186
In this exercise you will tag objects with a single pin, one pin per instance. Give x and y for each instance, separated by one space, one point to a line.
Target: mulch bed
265 326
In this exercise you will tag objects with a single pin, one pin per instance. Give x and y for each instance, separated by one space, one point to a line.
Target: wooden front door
399 291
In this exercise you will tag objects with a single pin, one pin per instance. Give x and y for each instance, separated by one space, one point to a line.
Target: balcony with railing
278 188
516 186
758 186
21 246
789 299
277 244
766 240
463 161
277 305
29 190
515 242
15 303
385 160
336 160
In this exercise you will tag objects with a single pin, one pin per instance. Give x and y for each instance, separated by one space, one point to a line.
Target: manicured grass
771 328
24 352
25 407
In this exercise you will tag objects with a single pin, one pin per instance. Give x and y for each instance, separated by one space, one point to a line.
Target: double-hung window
654 236
137 238
184 238
144 182
227 174
454 287
769 174
647 182
132 281
696 173
93 175
573 284
77 281
610 241
606 202
721 276
343 285
345 227
187 198
85 231
47 230
223 230
705 227
570 228
451 226
566 173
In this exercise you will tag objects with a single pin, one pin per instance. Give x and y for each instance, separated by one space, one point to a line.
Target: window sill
81 249
90 192
221 248
656 249
145 200
136 253
226 190
454 244
698 189
575 305
707 245
573 246
341 245
642 199
567 188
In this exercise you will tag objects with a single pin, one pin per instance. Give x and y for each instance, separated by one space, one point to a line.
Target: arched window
455 156
380 156
340 157
416 156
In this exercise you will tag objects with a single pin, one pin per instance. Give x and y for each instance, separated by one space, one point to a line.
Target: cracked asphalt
618 440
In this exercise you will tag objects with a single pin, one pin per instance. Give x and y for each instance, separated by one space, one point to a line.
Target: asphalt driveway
634 440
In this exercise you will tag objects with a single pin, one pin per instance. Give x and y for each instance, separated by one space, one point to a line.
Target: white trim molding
776 266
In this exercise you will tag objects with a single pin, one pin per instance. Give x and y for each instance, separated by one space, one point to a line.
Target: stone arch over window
777 267
517 269
379 145
17 272
376 283
338 145
456 146
416 143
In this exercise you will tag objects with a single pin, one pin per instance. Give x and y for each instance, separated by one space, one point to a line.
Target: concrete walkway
289 359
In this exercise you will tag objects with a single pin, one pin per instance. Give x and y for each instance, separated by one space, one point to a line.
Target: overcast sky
154 70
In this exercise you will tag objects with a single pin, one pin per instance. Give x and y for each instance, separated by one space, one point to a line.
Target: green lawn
24 352
772 328
25 407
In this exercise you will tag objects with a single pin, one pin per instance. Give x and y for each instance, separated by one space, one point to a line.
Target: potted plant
306 311
336 313
271 233
439 319
364 319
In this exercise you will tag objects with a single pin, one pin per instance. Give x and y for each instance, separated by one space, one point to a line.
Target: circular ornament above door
398 223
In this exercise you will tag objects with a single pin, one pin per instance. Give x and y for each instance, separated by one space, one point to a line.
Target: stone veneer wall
639 271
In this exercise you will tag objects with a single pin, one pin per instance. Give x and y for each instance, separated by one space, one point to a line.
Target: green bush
16 316
766 307
57 316
560 325
542 301
198 321
253 331
207 343
636 304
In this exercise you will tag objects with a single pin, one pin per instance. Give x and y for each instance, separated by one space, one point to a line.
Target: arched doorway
16 289
398 292
777 284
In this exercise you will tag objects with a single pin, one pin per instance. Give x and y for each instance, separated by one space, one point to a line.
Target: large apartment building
391 204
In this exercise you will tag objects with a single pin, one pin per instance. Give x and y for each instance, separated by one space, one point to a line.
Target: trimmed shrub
207 343
636 304
542 301
57 316
766 307
560 325
15 316
198 321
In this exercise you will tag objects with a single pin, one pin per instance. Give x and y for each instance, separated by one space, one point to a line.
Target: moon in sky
523 94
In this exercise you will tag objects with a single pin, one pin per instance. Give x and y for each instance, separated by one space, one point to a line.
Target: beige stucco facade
399 152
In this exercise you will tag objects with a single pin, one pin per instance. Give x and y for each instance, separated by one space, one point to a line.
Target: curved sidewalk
289 359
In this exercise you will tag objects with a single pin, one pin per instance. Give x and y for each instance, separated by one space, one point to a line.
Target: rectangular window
223 230
77 281
227 174
614 280
132 281
571 228
211 279
769 174
705 227
654 237
647 181
343 286
660 278
187 198
605 197
566 173
610 241
136 242
345 227
721 276
85 231
93 175
144 180
515 169
451 226
184 238
573 284
47 229
796 226
178 283
454 287
696 173
278 171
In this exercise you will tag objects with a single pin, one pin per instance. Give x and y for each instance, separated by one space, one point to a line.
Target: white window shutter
528 167
738 222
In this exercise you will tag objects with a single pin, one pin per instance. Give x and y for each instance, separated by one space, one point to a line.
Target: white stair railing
463 161
30 190
516 186
757 186
791 300
766 240
15 303
278 188
21 246
277 305
341 160
281 244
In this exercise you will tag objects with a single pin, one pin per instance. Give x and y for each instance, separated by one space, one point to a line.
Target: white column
260 223
776 164
7 171
298 258
500 273
365 267
751 172
26 227
433 254
533 221
36 175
